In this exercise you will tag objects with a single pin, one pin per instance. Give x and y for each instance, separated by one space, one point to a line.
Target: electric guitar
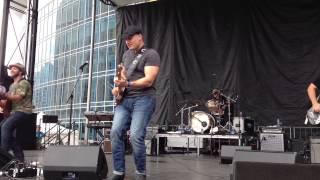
5 105
312 117
7 108
121 90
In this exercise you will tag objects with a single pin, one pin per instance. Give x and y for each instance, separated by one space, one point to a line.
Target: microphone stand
189 115
70 99
181 111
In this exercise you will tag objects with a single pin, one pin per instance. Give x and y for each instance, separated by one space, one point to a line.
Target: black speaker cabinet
26 132
250 164
264 156
228 151
275 171
75 162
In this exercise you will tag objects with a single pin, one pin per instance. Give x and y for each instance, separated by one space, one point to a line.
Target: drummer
222 104
216 95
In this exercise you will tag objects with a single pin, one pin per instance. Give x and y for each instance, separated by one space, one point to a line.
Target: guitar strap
134 63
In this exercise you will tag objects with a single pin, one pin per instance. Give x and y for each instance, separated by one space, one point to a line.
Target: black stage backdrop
266 52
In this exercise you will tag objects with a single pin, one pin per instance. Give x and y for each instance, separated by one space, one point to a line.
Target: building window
64 36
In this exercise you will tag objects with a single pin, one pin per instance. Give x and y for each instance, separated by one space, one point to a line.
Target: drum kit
209 121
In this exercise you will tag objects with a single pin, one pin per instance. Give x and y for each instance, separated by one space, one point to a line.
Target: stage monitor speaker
275 171
5 158
227 152
265 156
77 162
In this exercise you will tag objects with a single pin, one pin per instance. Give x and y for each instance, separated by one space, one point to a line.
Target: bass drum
201 121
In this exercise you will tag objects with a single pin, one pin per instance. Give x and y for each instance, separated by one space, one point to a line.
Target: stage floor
166 166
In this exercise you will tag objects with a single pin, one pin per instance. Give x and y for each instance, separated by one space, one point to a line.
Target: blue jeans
8 139
134 114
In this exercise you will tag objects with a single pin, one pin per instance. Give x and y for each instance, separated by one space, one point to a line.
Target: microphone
83 65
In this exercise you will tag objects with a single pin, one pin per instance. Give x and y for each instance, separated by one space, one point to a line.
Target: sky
13 54
16 29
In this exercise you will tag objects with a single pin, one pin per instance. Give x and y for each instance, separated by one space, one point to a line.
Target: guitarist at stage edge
133 112
20 96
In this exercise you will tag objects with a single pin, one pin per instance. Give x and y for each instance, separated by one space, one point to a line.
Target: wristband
129 83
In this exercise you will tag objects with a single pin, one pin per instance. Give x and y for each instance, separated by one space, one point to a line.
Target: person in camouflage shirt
20 98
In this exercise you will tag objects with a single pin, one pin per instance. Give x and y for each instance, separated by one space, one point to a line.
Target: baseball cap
130 31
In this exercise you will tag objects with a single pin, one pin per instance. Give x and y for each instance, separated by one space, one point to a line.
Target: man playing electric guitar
118 91
20 96
312 93
141 67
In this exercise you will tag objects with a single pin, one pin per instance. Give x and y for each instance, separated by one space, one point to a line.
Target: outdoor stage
168 166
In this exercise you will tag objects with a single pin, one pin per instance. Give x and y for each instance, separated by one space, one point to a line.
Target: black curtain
265 52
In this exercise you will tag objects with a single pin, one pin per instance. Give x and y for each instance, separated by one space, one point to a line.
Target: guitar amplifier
107 148
243 125
272 142
315 149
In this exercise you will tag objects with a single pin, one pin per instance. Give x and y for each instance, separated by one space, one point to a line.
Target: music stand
50 119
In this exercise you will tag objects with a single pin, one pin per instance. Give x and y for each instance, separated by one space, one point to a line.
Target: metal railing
299 132
55 138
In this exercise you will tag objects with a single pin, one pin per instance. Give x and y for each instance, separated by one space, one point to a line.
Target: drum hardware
216 128
181 111
182 126
230 100
189 115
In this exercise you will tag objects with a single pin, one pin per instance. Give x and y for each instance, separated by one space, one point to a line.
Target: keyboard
100 125
99 115
99 119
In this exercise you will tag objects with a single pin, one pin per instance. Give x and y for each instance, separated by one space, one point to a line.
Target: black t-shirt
150 57
317 83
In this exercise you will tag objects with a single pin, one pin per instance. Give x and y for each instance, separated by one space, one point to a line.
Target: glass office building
63 44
